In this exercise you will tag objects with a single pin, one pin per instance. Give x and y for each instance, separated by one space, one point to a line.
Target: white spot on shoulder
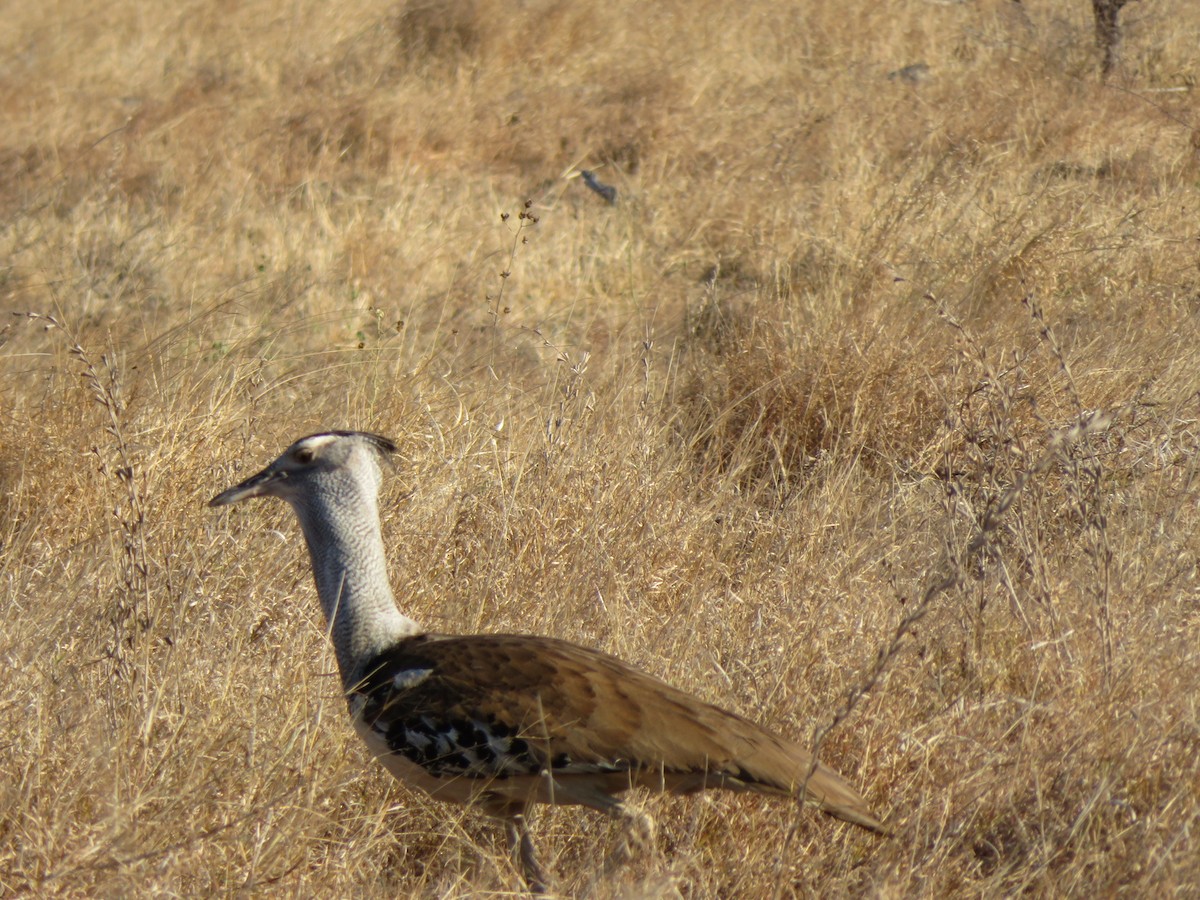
409 678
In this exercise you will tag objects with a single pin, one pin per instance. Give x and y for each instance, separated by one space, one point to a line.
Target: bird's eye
304 455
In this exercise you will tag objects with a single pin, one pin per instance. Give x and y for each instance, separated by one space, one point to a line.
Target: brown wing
495 706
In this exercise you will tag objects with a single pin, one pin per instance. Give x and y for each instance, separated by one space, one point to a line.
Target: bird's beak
254 486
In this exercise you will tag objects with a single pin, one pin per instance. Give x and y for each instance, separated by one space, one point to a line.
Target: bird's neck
346 546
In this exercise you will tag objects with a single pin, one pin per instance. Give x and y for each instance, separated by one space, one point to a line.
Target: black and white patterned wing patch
431 721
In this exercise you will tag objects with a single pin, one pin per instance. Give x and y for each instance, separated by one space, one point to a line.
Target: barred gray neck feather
340 521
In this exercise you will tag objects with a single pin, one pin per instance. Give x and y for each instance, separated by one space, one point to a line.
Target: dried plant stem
131 611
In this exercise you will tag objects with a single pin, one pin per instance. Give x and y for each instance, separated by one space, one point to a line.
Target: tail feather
767 763
726 750
830 793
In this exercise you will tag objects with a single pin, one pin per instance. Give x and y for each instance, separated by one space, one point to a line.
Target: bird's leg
520 845
637 836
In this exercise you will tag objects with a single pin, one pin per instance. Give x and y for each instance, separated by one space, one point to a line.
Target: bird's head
329 462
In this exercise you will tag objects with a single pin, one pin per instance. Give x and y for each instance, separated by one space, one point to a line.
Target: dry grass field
870 410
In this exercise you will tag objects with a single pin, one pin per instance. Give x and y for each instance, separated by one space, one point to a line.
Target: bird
607 191
504 721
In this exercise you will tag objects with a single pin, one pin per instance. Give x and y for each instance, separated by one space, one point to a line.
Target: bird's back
542 719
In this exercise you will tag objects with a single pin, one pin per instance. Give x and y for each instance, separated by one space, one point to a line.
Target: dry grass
759 428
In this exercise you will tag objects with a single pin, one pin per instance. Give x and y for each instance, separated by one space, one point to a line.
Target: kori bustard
502 721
